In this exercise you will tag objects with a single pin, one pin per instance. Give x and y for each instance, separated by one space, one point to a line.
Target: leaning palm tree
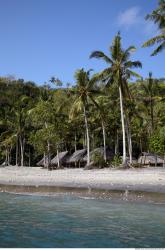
84 92
119 71
158 16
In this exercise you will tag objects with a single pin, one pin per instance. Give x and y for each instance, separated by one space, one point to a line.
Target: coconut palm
84 92
119 71
158 16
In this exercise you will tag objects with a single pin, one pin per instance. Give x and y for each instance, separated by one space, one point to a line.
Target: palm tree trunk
75 143
16 157
123 125
22 150
58 161
128 130
48 148
104 140
116 143
44 159
49 154
130 146
6 158
85 140
21 146
87 136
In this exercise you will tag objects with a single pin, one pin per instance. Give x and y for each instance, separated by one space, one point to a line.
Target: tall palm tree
102 111
158 16
149 89
84 92
119 71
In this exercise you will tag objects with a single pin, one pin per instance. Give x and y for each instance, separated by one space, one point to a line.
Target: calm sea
69 221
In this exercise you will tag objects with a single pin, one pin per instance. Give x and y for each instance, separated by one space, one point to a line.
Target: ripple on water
71 221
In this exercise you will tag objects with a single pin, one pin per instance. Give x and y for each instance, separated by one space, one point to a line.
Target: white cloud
133 17
129 17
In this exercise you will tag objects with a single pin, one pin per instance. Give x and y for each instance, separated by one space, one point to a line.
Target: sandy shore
148 179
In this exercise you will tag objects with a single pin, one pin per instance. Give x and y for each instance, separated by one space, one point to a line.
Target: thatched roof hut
43 162
109 154
150 159
62 158
3 164
76 157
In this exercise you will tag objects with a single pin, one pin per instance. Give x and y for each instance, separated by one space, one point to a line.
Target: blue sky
44 38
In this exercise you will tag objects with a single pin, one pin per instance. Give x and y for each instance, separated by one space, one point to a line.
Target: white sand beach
147 179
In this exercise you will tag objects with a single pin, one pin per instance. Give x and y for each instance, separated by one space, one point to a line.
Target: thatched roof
150 159
4 163
62 158
109 154
76 156
41 162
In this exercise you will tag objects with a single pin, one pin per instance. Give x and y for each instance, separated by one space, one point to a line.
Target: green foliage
44 119
116 161
158 16
98 160
157 142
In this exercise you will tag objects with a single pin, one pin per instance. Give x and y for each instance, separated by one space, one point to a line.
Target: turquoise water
68 221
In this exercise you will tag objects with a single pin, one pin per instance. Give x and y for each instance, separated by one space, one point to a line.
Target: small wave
87 198
35 194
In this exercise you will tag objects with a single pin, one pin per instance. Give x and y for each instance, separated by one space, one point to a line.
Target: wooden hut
62 156
150 159
76 159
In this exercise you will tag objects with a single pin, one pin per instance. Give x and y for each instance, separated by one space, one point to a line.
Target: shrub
157 142
116 161
98 160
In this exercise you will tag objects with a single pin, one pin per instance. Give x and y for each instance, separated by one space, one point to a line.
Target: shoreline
98 181
86 193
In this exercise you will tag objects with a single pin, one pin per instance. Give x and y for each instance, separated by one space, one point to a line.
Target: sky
45 38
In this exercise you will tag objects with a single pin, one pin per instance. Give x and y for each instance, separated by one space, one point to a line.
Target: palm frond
81 77
133 64
76 108
100 54
158 49
130 49
152 41
127 53
132 73
158 15
116 49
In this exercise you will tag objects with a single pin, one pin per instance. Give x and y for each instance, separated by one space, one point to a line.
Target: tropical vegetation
115 108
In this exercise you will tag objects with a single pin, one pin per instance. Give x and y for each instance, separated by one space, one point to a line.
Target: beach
146 179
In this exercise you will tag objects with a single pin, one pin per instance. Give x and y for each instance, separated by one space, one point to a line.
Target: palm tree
119 72
149 89
158 16
102 111
84 92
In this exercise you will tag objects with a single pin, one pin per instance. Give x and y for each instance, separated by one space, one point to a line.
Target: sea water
70 221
